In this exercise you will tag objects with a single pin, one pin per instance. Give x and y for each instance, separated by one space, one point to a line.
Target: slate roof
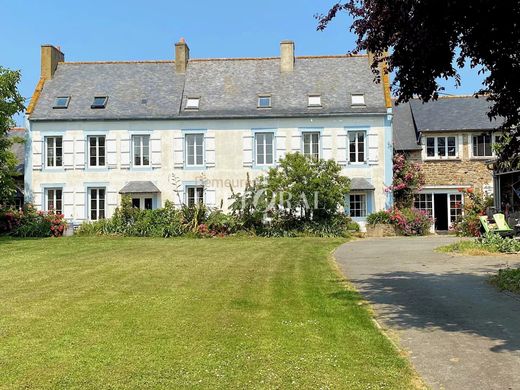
226 87
359 183
18 148
405 135
139 187
454 113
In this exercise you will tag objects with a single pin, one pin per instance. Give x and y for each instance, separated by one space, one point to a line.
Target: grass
94 312
507 279
467 247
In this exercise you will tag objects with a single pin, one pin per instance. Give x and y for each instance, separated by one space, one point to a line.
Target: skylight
99 102
192 103
314 101
61 102
358 99
264 101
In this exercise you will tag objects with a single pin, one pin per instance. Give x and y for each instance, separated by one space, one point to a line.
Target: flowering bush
408 179
411 221
31 223
474 207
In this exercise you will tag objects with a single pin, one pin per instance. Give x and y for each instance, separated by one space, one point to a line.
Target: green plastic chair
501 222
500 227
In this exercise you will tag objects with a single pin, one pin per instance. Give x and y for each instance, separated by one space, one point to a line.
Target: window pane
452 150
136 202
430 147
148 203
260 144
441 146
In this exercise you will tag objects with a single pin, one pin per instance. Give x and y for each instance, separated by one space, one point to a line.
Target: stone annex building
453 139
185 129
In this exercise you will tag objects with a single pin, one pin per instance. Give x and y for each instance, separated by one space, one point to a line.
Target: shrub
475 206
507 279
408 178
31 223
379 217
497 243
411 221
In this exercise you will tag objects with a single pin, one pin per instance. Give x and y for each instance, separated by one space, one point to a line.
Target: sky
103 30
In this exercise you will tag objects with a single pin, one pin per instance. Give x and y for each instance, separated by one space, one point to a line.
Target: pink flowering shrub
408 222
408 179
31 223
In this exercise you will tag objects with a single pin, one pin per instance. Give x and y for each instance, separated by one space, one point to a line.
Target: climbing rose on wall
408 179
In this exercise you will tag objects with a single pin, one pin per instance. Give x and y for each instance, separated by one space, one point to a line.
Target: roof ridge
117 62
209 59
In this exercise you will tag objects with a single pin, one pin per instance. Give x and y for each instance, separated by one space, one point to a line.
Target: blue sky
98 30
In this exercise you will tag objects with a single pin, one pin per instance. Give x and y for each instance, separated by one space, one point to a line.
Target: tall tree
11 103
427 40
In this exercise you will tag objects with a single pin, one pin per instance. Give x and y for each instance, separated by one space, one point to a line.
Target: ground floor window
358 205
455 207
54 200
142 202
97 203
424 202
194 195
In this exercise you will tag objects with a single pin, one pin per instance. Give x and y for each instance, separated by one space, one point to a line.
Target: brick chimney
182 55
287 56
50 56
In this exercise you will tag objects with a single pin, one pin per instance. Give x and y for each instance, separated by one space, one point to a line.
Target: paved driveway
459 331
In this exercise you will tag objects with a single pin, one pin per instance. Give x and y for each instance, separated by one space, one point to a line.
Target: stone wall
463 171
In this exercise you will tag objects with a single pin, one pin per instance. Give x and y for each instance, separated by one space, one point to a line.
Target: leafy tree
425 37
313 189
11 102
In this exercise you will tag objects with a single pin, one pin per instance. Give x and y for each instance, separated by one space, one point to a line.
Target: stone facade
464 170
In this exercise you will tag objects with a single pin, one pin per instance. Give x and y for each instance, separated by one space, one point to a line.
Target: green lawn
182 313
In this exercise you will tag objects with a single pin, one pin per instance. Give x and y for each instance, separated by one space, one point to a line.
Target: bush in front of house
408 221
507 279
28 222
475 206
379 217
497 243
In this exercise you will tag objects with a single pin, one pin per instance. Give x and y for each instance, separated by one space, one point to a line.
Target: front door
441 211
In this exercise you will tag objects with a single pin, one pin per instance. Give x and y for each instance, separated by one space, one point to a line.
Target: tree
11 103
424 38
311 188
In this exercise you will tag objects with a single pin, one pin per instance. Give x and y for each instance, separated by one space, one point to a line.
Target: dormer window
192 103
314 101
358 99
264 101
99 102
61 102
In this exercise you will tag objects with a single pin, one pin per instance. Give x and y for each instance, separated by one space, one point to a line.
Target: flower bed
31 223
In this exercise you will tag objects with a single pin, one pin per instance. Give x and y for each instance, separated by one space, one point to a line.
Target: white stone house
185 130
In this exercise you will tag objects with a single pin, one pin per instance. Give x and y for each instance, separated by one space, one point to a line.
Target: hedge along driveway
101 312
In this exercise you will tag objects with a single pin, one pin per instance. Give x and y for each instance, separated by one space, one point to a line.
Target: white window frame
142 198
425 204
436 155
260 98
493 142
61 106
194 149
314 100
196 194
312 153
262 135
452 216
192 103
47 197
100 212
358 99
356 151
363 202
97 149
140 138
55 150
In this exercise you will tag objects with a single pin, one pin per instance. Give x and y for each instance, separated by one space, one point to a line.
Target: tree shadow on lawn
452 302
